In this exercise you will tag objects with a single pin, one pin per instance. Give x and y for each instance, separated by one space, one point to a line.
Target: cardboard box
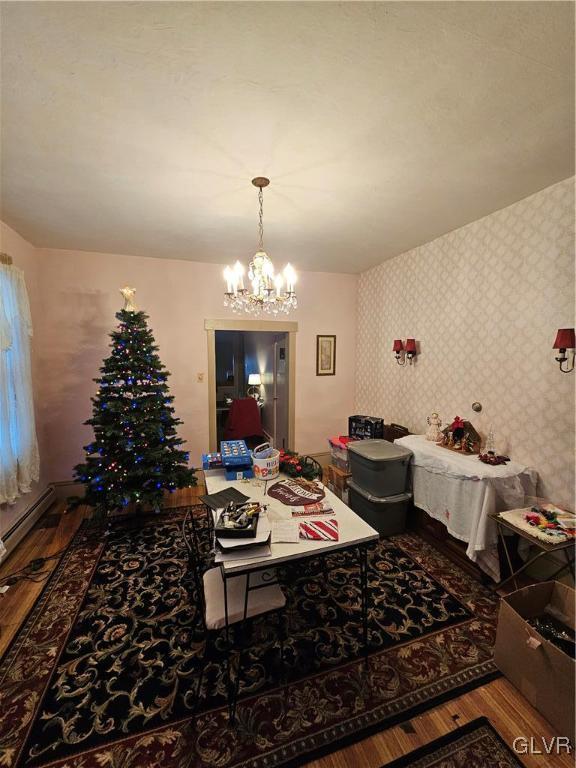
538 669
338 482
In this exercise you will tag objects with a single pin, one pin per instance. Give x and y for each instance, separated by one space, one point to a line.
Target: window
19 461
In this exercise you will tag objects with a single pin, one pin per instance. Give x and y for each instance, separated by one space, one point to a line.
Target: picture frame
326 355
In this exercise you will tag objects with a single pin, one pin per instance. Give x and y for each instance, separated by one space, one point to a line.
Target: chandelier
268 292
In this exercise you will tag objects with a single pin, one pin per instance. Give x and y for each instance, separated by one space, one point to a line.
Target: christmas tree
135 455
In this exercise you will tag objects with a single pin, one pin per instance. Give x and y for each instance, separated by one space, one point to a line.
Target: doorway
252 358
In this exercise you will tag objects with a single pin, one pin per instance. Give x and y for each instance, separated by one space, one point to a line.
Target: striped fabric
319 530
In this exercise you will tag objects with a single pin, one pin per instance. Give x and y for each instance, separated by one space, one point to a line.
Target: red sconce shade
411 346
398 346
565 339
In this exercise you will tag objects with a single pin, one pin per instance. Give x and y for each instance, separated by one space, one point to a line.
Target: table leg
283 636
570 563
363 557
242 632
228 648
522 568
508 559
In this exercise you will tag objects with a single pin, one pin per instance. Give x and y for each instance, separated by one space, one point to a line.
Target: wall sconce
398 348
410 349
565 339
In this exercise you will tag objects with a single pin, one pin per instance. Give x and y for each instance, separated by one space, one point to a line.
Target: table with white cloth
461 492
354 534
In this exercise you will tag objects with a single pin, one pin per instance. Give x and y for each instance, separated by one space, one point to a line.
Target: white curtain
19 460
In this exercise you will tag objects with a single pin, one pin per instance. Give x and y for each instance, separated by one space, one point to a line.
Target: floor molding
66 488
18 531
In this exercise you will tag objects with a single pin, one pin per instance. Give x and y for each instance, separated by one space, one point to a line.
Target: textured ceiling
136 127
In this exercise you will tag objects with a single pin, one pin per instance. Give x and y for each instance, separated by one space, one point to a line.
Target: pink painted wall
79 299
25 257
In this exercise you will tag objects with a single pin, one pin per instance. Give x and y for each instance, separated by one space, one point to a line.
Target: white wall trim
18 531
66 488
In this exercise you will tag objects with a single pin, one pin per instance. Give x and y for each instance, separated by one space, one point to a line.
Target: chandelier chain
260 220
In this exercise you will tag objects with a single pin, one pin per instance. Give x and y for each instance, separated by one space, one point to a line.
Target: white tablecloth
460 491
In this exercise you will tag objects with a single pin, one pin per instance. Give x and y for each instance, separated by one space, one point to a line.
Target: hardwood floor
499 701
508 711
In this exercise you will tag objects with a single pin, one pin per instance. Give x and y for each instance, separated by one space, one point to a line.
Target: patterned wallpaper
484 303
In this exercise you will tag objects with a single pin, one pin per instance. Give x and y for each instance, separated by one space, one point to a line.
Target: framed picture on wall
325 355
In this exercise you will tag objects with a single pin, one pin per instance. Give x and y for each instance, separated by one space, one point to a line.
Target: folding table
544 547
354 534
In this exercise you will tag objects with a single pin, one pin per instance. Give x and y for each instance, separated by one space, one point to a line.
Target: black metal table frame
248 571
545 549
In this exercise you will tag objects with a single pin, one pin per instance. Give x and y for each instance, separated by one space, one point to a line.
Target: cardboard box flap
563 602
530 601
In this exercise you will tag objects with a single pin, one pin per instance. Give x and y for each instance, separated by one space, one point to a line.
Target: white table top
352 529
443 461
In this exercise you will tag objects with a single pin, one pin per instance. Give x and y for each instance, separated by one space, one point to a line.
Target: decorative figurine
461 436
128 293
433 432
490 446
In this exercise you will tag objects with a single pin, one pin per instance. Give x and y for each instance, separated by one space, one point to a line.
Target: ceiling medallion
267 293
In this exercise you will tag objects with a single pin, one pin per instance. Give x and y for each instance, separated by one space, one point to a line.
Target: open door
274 359
280 391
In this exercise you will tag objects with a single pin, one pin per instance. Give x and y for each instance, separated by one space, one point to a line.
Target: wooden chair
244 420
228 601
394 432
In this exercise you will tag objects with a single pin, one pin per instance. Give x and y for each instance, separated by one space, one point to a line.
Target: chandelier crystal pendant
267 292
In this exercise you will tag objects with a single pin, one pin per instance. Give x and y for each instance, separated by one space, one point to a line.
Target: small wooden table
545 549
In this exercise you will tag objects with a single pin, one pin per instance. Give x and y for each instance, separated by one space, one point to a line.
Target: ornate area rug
475 745
104 669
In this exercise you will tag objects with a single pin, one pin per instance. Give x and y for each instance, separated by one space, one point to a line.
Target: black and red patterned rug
103 671
475 745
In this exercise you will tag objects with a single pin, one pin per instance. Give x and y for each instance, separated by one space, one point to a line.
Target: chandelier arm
266 295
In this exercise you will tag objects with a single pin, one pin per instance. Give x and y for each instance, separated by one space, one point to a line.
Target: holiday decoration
319 530
135 455
490 446
493 459
297 492
433 432
552 520
128 294
294 465
461 436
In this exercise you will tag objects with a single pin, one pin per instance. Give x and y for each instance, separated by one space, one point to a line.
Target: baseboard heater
20 528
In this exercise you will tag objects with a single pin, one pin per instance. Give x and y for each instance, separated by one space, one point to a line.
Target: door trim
291 328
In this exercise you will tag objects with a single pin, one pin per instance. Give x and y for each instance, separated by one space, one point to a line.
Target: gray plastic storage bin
379 467
386 514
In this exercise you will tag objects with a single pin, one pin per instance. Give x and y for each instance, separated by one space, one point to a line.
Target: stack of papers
229 549
285 531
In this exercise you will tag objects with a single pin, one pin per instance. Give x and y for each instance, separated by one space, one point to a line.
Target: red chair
243 420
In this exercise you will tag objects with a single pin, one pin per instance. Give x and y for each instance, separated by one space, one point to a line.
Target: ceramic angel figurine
128 294
433 432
